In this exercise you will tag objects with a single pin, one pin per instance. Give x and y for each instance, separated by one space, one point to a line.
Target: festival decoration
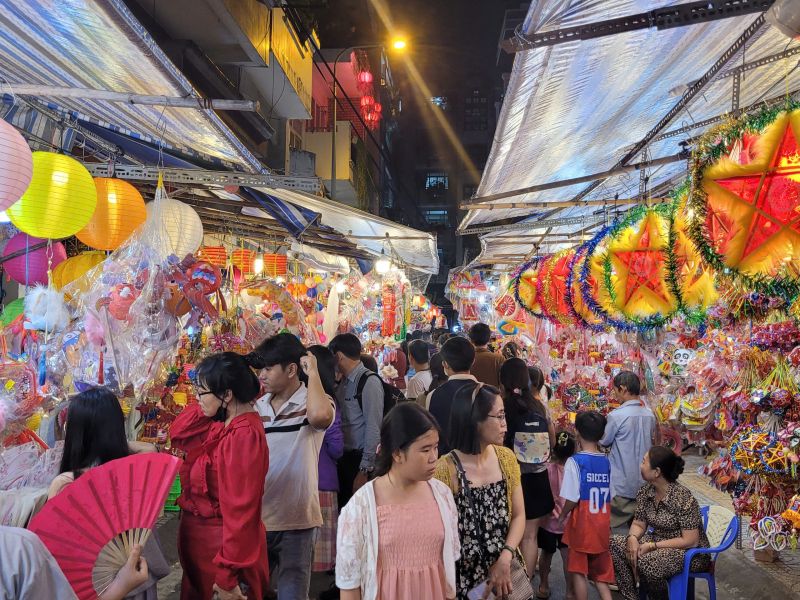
75 267
31 268
576 304
635 266
745 196
182 224
59 201
16 167
11 311
214 255
243 258
690 278
120 210
552 287
526 289
592 278
275 264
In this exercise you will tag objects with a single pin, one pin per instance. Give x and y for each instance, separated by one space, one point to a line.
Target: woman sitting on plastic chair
667 523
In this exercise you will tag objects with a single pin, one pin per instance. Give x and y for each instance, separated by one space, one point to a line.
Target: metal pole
51 91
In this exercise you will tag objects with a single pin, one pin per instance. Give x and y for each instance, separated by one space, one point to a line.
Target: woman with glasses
221 540
484 477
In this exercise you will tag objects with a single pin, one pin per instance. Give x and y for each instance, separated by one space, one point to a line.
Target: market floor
739 576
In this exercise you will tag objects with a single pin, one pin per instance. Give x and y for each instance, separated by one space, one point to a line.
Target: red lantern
367 101
365 77
378 108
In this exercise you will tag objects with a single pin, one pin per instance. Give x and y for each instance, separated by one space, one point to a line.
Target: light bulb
258 264
382 266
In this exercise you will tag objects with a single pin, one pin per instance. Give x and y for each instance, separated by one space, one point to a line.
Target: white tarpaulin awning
315 258
575 108
413 248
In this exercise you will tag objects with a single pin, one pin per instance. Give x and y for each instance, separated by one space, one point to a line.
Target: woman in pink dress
398 535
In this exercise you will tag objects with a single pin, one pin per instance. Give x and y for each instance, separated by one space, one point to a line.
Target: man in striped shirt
295 418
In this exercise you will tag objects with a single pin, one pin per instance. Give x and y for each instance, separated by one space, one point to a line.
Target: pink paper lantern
16 165
36 260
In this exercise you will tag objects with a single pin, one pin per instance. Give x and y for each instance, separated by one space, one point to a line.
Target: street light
398 44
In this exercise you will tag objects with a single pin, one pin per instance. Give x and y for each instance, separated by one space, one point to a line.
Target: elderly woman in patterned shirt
667 524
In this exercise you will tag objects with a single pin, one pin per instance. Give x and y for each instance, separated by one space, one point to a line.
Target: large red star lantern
752 210
553 276
637 261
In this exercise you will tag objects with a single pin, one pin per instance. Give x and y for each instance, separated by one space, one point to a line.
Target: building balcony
319 141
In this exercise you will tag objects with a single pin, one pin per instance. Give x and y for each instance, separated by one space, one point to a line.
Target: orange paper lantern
275 264
243 259
214 255
120 210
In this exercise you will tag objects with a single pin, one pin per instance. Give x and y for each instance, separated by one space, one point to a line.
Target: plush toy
45 310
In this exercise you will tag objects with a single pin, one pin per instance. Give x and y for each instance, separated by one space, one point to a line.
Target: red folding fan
91 527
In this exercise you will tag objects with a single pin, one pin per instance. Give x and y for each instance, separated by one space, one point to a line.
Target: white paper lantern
16 165
182 227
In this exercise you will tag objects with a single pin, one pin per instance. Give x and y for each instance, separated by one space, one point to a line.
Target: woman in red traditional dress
221 541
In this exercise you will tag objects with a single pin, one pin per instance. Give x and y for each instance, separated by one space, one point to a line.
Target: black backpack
391 395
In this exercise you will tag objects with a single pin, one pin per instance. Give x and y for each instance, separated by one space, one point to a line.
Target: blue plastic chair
722 528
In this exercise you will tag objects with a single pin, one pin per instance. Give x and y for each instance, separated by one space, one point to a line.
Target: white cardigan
357 541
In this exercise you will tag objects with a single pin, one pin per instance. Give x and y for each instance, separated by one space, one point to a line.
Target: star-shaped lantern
752 211
637 257
526 287
553 275
694 278
583 315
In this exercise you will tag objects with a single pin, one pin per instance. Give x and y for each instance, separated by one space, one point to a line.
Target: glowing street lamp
399 43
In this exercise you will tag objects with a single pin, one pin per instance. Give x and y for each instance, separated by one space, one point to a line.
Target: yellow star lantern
693 279
747 198
526 289
637 264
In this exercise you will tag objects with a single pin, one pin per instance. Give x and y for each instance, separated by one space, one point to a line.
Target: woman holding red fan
221 541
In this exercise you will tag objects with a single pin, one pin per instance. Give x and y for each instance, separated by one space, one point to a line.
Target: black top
439 406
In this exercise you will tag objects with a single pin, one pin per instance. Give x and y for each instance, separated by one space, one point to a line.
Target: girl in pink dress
398 535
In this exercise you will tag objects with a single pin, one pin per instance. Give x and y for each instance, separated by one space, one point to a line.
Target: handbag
521 588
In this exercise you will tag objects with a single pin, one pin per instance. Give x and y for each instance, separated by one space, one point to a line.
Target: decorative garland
710 148
561 260
529 265
586 291
695 315
580 319
631 219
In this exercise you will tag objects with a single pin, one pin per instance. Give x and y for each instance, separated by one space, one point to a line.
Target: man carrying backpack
361 402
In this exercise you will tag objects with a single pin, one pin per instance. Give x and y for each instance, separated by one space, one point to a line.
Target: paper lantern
576 303
182 226
16 165
592 279
691 279
636 266
12 310
214 255
243 258
60 200
120 210
367 101
75 267
526 289
365 77
31 268
745 200
552 287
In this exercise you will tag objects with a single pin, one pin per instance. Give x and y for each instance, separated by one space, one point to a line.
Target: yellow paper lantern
120 210
59 201
75 268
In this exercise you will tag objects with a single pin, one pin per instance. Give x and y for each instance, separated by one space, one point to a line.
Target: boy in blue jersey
586 489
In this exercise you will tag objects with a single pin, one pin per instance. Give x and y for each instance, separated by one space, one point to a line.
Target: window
440 101
476 112
438 216
436 182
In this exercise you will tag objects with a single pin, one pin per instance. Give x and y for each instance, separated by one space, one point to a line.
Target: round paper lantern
181 223
31 267
12 310
745 200
120 210
75 267
691 279
636 266
526 289
16 165
59 201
